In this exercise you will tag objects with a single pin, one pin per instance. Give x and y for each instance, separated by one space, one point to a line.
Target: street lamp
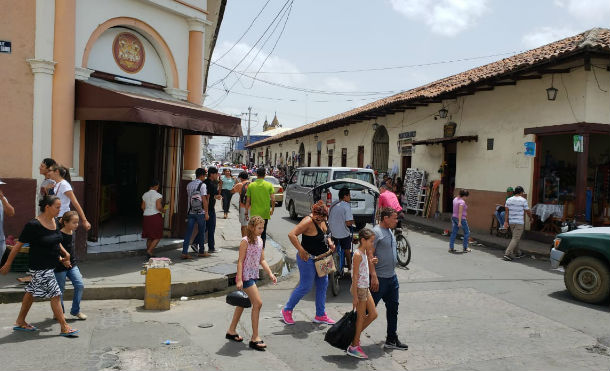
551 93
442 113
345 132
375 126
315 137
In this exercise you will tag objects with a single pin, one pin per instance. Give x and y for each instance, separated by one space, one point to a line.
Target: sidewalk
120 278
483 237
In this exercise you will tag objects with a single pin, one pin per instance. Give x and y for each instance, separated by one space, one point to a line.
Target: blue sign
530 149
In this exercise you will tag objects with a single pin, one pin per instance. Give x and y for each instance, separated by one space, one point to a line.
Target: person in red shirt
388 198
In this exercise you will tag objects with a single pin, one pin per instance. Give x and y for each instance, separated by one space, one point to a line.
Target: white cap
1 182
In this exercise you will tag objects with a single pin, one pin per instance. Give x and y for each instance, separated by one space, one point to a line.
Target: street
458 312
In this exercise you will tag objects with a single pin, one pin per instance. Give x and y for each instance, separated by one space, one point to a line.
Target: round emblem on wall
128 52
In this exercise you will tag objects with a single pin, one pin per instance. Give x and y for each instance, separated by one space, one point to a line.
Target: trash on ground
168 342
184 298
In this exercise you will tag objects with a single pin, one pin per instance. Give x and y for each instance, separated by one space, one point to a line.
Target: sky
310 59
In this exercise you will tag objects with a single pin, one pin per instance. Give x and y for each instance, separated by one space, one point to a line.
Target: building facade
485 129
113 90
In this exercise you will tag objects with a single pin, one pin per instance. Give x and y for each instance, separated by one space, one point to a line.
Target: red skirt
152 226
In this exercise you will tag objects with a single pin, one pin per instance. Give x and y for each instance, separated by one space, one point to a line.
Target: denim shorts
248 283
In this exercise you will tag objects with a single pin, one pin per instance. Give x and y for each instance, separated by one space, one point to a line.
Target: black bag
239 299
341 334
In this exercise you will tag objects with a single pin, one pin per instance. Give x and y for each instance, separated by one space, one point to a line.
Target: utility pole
249 113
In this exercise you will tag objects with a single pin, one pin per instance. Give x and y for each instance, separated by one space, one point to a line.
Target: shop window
490 144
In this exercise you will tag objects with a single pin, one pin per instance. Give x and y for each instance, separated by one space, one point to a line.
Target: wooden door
450 156
360 156
319 162
405 164
93 171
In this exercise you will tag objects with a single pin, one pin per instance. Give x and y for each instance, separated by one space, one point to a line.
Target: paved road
458 312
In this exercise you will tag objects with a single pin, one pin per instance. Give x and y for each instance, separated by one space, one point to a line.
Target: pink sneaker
356 352
287 317
324 319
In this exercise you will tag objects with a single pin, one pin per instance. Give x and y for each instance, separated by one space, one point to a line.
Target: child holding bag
362 299
251 255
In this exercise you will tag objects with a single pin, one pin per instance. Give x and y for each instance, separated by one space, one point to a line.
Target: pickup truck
585 255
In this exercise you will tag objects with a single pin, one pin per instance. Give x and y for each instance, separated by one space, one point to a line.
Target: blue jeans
388 291
500 216
77 282
191 219
210 226
308 275
454 232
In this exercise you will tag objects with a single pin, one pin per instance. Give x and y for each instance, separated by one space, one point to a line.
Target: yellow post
157 291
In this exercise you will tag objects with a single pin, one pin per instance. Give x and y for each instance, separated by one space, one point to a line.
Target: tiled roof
596 39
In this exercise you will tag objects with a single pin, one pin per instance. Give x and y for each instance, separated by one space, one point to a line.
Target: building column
62 145
581 178
194 85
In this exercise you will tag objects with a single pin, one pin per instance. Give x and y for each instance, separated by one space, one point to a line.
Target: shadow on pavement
565 296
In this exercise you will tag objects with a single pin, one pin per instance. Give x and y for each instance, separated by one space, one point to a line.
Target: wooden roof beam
553 70
503 83
526 77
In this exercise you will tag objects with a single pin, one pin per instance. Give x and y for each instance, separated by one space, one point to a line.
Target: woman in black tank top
314 242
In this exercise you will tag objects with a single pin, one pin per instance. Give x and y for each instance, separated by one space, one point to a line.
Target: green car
585 255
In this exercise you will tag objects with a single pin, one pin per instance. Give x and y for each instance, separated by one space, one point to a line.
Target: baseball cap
509 189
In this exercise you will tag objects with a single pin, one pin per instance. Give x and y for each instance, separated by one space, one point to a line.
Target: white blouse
150 201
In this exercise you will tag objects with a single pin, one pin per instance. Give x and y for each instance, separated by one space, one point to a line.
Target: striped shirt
516 206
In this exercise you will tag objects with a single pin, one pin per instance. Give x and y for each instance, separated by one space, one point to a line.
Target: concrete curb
481 238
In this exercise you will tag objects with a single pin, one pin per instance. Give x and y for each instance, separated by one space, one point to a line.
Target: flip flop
71 333
258 345
234 337
27 328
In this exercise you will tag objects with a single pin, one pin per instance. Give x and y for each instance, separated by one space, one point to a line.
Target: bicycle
403 248
339 258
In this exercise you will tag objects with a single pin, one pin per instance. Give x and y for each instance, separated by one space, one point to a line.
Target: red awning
464 138
102 100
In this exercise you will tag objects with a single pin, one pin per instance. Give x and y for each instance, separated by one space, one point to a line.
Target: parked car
585 254
304 179
279 190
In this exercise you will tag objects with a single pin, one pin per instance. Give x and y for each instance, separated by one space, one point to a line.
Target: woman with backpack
241 189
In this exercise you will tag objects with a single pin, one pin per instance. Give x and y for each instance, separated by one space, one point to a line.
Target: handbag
238 299
325 265
341 334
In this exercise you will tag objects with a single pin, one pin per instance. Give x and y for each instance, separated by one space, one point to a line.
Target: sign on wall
579 145
5 46
128 52
530 149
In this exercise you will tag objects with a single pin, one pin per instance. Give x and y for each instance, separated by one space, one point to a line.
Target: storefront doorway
121 161
449 167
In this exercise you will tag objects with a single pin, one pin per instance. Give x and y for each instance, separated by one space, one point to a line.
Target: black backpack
196 201
243 194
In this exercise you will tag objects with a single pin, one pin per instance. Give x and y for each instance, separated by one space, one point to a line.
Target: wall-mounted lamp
315 137
346 132
442 113
551 93
296 141
375 126
280 144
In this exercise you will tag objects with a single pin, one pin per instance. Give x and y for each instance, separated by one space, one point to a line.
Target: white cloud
339 84
444 17
544 35
588 10
253 61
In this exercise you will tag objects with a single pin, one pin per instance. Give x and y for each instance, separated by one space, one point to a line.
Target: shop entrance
121 160
449 163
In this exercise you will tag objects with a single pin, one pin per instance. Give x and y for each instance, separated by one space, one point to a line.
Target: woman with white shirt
63 190
152 223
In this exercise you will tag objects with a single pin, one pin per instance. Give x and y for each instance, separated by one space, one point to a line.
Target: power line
245 32
292 99
372 69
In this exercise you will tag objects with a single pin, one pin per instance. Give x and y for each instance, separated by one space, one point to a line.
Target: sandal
258 345
70 333
27 327
234 337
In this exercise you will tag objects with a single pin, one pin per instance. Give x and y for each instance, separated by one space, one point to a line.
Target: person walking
241 188
384 282
459 218
44 237
47 185
226 185
63 190
69 224
261 199
251 256
212 185
315 244
340 220
362 300
152 219
515 209
197 213
6 209
387 198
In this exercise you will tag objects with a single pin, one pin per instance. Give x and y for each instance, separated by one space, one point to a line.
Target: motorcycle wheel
403 249
335 276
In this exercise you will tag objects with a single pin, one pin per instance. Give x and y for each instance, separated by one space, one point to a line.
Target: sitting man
500 209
